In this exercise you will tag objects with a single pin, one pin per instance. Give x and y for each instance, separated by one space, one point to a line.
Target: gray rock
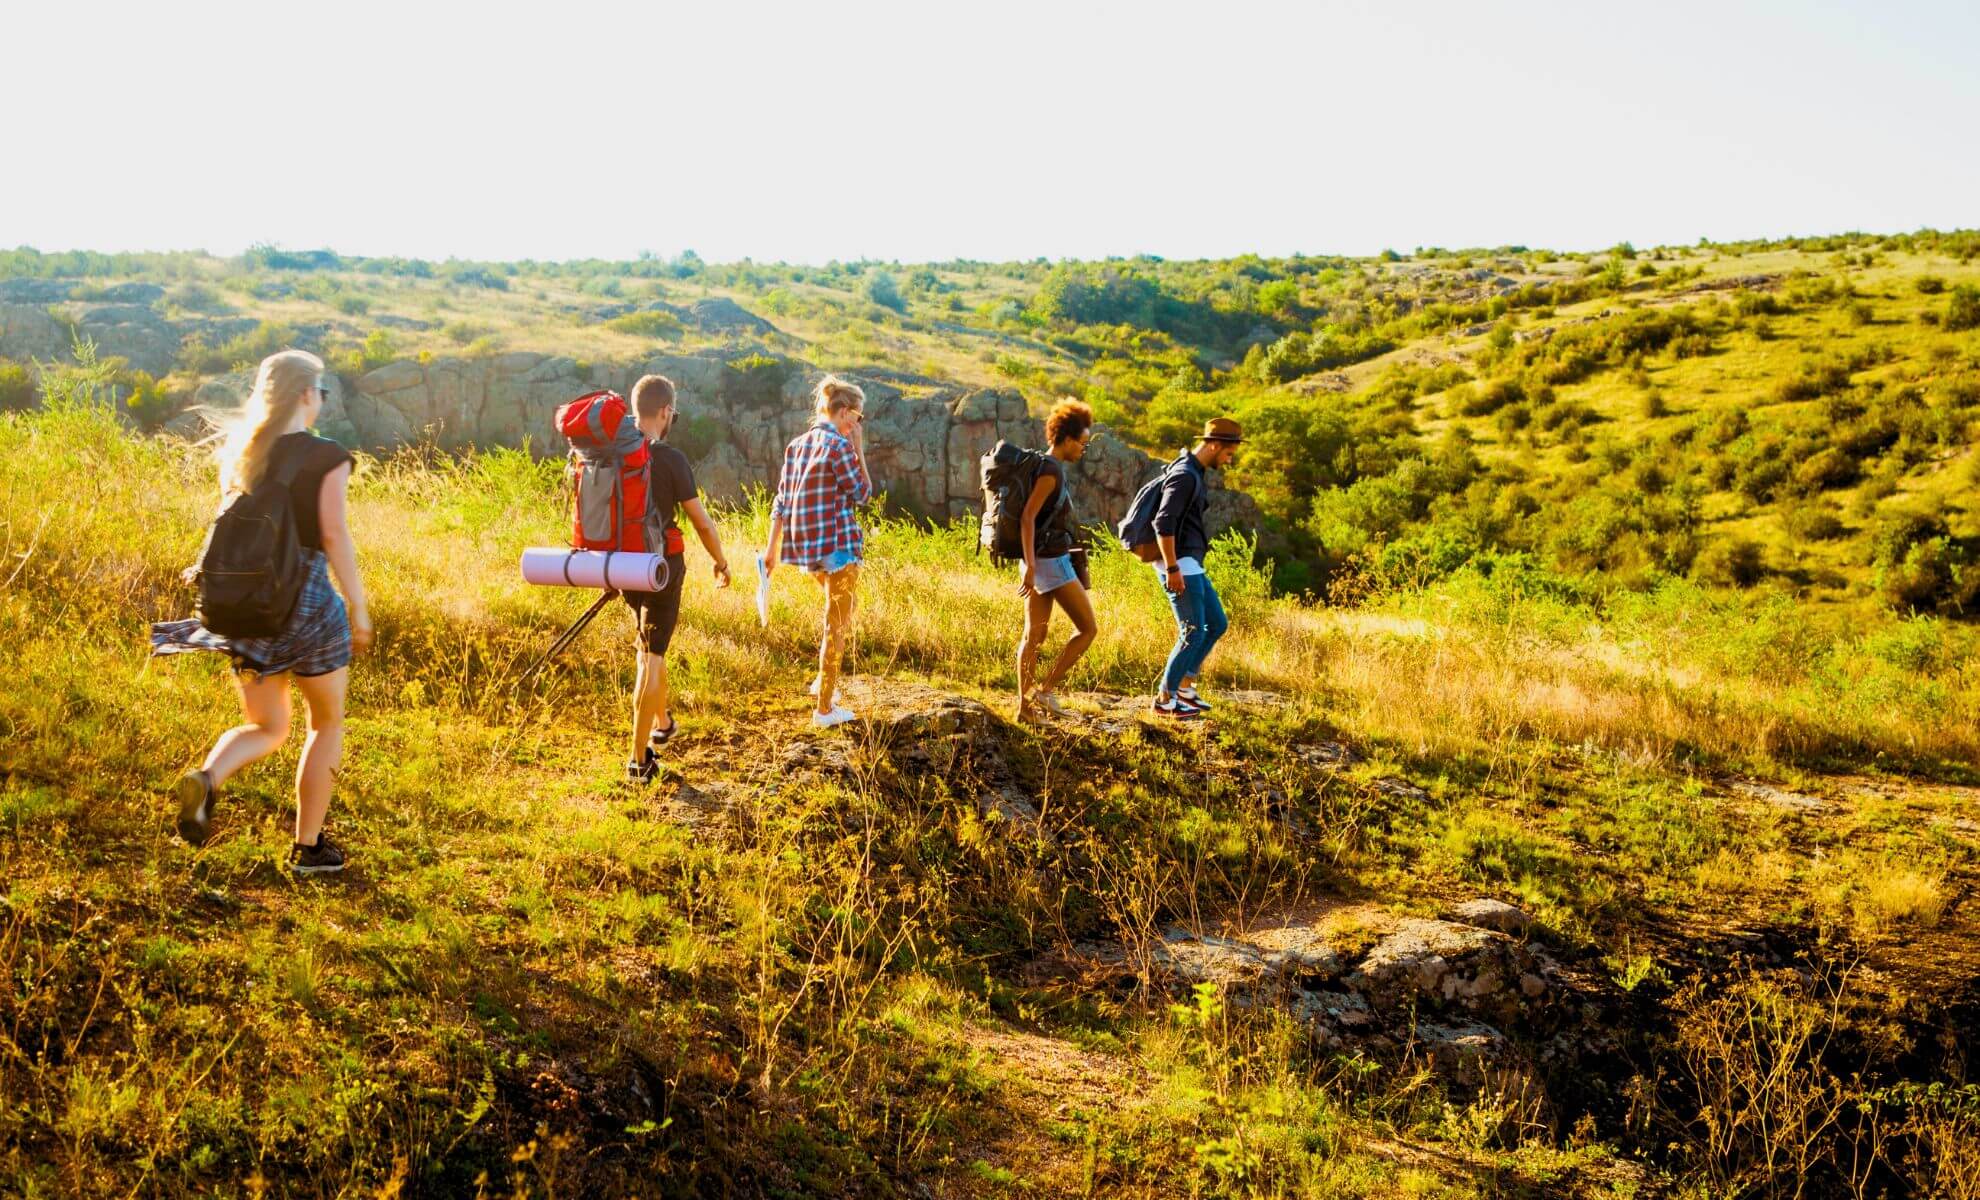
28 333
131 332
36 291
1492 914
1780 798
720 314
132 293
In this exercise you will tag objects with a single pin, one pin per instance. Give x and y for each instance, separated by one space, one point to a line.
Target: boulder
132 293
1492 914
35 291
131 332
28 333
719 314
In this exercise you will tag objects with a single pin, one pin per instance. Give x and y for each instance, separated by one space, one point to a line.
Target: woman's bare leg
322 752
1037 622
265 705
1079 608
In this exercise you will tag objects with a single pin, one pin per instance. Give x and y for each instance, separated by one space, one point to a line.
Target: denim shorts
835 562
1053 573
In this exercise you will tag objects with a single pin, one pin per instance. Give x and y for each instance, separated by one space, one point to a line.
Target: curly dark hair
1069 419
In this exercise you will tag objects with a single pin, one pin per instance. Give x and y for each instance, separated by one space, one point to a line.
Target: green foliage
241 352
17 386
649 323
1962 309
881 289
1730 562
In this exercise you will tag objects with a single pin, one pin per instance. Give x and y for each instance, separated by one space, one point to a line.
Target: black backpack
1008 475
1137 528
251 570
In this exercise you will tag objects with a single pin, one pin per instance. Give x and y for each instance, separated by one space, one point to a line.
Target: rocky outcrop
1358 975
29 334
923 437
132 332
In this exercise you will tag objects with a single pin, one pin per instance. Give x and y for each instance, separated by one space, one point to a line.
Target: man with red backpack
670 490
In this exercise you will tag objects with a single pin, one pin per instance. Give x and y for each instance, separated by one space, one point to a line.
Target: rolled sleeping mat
619 570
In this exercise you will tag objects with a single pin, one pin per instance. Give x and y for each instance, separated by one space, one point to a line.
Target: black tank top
320 456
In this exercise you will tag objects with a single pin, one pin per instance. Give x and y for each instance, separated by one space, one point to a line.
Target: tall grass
536 975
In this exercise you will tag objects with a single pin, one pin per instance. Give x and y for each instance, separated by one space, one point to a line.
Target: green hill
1795 415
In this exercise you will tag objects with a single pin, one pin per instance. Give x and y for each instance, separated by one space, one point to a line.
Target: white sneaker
811 689
838 716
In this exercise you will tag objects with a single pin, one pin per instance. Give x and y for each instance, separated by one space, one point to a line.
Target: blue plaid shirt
819 488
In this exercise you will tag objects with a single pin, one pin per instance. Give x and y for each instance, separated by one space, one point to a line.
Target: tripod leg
565 638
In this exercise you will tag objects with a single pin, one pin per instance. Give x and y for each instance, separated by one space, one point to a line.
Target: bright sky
929 130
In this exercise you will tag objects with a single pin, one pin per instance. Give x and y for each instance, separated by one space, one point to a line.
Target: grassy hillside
1797 416
942 955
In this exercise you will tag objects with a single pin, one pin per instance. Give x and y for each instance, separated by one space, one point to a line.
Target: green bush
1730 562
243 351
651 323
1962 309
881 289
1811 523
1831 468
1929 285
17 386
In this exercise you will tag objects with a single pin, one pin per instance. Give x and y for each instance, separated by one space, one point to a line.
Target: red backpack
609 473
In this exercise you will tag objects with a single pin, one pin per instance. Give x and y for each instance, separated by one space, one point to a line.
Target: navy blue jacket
1185 498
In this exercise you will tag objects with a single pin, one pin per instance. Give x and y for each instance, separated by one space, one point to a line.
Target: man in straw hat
1183 540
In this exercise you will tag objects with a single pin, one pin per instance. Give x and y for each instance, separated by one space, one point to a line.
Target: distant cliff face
923 437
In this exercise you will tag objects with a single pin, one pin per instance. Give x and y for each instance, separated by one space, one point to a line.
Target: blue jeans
1200 621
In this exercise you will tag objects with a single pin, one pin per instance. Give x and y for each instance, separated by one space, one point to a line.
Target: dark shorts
658 612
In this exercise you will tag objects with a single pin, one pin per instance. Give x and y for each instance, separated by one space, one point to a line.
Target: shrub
1962 309
353 306
1893 536
17 386
1929 285
1814 381
1811 523
650 323
1652 406
1730 562
1484 399
1935 575
881 289
1830 468
244 350
145 401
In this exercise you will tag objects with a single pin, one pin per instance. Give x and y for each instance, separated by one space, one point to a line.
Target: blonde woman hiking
1051 576
814 524
277 477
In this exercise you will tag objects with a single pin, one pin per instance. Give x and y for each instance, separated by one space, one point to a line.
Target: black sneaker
196 795
661 737
324 858
643 768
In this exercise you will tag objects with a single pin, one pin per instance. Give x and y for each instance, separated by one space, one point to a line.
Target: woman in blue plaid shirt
814 525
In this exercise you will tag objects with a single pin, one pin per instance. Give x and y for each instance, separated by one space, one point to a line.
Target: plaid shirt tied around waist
819 488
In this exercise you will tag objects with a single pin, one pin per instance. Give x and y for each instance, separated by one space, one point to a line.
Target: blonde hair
834 396
281 387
